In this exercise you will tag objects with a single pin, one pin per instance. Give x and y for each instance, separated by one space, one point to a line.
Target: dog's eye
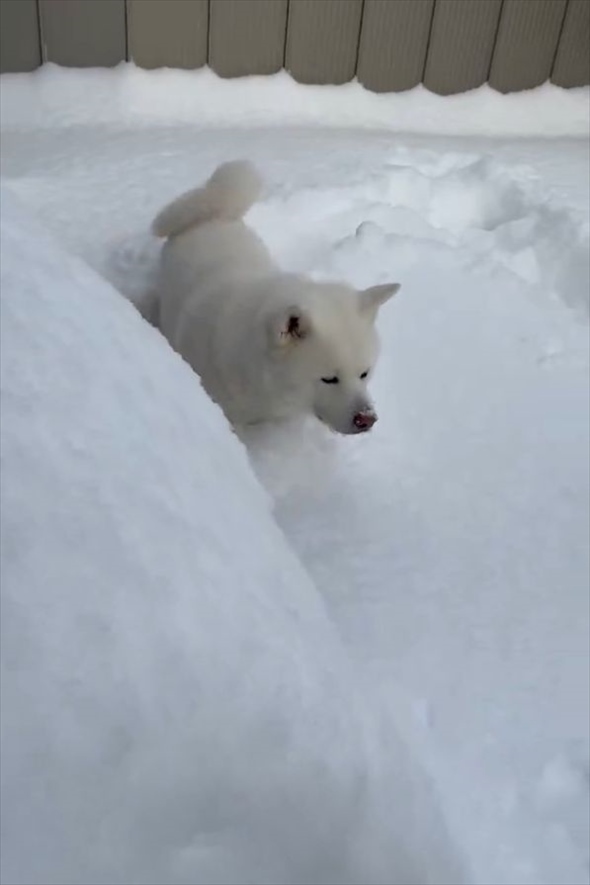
364 375
333 380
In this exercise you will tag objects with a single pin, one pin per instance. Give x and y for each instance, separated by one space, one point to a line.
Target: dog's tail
228 195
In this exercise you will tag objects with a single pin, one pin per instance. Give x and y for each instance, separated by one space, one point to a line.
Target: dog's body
266 344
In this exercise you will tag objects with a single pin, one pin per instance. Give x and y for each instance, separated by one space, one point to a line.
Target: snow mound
129 96
176 706
495 215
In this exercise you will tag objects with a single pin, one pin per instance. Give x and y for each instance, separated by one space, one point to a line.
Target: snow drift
175 704
129 96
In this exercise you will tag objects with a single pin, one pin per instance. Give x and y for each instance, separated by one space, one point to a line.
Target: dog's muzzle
363 421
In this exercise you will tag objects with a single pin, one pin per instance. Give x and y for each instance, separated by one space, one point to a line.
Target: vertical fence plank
572 62
394 38
390 43
525 46
461 45
247 36
167 33
322 40
83 33
19 36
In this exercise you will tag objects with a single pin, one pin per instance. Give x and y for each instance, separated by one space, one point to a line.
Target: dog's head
327 342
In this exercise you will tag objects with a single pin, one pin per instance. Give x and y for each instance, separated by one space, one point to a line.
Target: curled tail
228 195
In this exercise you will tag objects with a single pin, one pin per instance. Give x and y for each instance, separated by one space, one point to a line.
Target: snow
127 95
176 705
427 647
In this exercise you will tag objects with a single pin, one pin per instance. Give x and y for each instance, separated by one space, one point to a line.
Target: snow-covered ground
177 706
438 569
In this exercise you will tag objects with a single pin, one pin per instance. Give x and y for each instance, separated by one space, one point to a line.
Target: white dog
267 345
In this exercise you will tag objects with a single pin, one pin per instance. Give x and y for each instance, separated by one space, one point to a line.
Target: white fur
261 340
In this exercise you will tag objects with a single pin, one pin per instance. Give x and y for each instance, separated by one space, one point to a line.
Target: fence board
83 34
572 62
526 43
19 36
247 36
461 44
394 38
391 45
322 40
167 33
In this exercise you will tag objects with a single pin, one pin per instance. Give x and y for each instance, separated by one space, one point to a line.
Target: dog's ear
291 325
370 300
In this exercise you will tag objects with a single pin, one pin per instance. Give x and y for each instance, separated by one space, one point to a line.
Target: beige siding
247 36
393 44
167 33
19 36
572 62
461 44
322 40
526 43
83 34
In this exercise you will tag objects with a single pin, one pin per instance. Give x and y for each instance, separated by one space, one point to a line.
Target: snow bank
127 95
175 705
454 552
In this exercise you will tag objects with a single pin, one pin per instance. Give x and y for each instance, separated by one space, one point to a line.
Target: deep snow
176 705
451 546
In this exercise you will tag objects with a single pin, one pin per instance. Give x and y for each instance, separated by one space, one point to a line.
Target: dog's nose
364 420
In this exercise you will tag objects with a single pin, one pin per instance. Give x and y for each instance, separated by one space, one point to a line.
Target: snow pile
454 553
128 95
175 705
454 539
494 216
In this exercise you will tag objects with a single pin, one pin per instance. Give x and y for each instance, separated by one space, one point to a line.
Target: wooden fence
390 45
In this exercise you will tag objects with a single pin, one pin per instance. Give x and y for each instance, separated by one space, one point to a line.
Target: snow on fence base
130 96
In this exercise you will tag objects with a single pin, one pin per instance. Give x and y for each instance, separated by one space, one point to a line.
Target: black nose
364 420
